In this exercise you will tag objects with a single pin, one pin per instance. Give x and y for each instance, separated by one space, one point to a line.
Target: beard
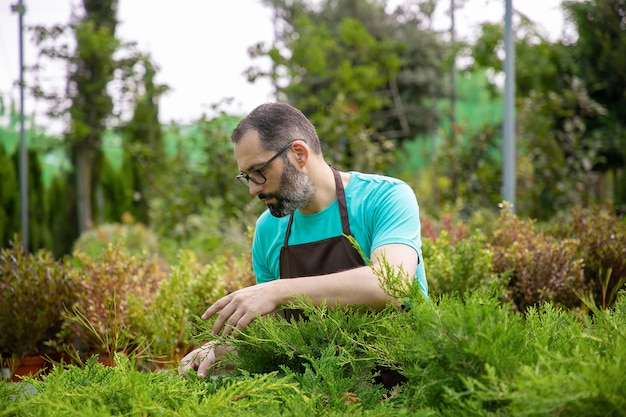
296 190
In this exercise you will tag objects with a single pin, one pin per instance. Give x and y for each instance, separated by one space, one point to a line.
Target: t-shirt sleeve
395 217
261 264
396 220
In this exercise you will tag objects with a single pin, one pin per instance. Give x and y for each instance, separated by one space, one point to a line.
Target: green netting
475 107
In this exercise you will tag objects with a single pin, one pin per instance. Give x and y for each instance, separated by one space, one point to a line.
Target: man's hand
239 308
201 360
236 311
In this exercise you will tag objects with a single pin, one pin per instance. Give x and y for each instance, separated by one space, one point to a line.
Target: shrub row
460 356
112 300
581 256
121 296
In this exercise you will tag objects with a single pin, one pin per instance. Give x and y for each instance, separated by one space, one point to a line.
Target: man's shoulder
362 182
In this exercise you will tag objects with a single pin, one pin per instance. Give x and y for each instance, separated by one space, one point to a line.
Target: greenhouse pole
20 10
508 151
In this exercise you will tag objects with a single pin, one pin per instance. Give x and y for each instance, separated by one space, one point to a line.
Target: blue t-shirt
381 210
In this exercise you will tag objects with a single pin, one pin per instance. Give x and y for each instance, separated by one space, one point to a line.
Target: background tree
366 77
143 139
600 54
9 199
557 150
102 74
92 68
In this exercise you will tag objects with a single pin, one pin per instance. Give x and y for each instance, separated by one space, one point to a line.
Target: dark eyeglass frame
245 178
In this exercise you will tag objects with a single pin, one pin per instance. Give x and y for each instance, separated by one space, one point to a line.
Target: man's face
295 190
286 188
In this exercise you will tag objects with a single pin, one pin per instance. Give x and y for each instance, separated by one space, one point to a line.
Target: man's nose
254 188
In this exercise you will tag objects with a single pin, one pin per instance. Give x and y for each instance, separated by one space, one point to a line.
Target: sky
201 46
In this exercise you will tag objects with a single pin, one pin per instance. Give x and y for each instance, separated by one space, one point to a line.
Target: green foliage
461 356
188 291
34 291
210 212
99 390
475 175
453 340
570 107
96 390
577 370
600 52
458 266
364 76
108 283
97 64
39 211
118 190
602 237
134 238
9 199
61 202
559 152
144 150
541 267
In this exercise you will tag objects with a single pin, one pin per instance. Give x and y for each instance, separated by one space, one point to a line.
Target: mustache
263 196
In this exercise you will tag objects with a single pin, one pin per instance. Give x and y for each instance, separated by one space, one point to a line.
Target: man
300 245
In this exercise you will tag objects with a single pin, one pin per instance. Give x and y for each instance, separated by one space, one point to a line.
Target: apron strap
341 199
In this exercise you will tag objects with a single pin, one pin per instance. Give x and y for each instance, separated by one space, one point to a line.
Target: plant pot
30 365
35 365
106 360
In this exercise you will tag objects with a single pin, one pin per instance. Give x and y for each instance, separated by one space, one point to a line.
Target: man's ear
302 152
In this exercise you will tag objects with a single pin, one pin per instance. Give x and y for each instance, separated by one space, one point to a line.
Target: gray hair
277 125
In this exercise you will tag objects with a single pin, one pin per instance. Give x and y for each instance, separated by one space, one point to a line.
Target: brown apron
327 256
322 257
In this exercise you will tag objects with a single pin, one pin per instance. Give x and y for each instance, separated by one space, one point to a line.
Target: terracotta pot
38 365
106 361
31 365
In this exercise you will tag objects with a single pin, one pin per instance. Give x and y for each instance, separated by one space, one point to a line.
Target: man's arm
354 286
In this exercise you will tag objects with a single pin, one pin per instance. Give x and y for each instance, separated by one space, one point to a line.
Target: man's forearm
354 286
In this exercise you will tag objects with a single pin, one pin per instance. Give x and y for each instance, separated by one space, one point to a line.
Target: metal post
508 149
20 9
453 70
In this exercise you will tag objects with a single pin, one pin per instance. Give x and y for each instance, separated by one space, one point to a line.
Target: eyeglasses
256 176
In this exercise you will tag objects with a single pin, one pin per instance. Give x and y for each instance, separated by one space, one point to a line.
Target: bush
108 284
470 356
34 291
187 292
541 267
135 238
602 237
208 232
457 266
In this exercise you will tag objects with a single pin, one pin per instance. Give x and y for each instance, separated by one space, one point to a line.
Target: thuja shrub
575 368
470 356
540 267
95 390
440 345
602 237
457 265
107 284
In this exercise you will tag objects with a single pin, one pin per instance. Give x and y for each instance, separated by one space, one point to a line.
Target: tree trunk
83 164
